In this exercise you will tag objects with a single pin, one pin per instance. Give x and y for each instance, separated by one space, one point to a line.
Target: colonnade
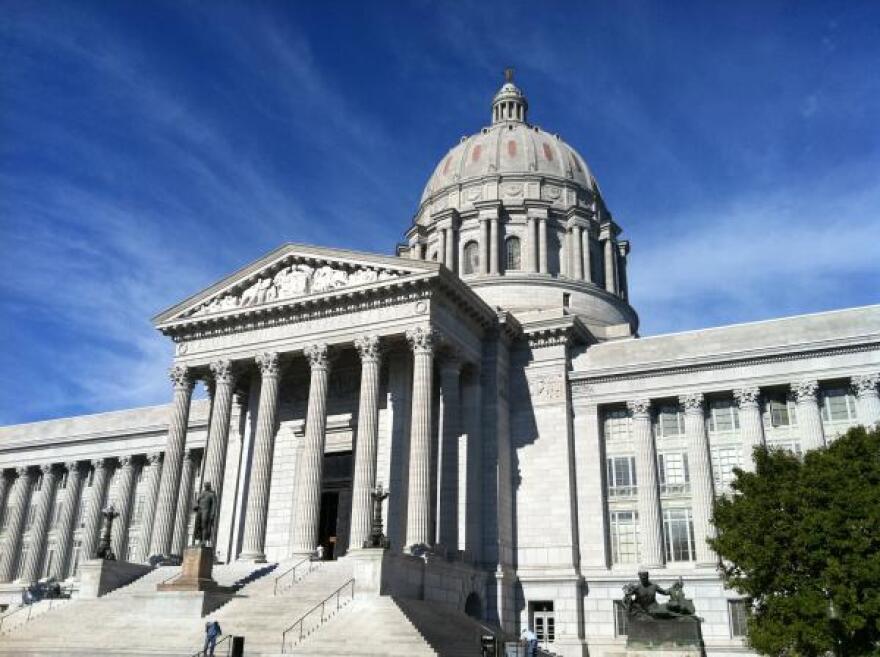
748 399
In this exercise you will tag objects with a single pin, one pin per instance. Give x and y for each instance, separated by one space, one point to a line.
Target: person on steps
212 631
531 641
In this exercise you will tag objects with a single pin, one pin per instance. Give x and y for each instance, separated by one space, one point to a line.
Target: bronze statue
641 598
105 550
206 511
652 624
377 537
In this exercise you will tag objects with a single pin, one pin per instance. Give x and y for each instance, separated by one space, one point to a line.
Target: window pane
779 413
738 610
616 424
513 253
724 460
678 531
624 537
670 422
471 258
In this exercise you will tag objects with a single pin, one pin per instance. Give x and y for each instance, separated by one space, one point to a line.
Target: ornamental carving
46 468
421 339
180 378
805 390
23 471
747 397
126 461
99 464
318 355
551 192
369 347
72 467
692 403
268 363
547 388
223 372
293 281
866 384
153 458
639 407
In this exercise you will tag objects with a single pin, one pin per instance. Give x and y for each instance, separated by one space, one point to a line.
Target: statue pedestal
681 634
195 573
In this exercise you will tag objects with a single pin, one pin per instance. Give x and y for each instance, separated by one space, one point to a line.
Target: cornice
566 330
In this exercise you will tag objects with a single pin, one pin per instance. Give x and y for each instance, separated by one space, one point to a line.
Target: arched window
471 258
514 261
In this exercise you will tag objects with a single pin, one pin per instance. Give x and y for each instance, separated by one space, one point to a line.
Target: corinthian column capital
369 347
639 407
180 377
99 464
318 356
47 468
421 339
268 362
154 458
223 372
866 384
805 390
747 397
692 402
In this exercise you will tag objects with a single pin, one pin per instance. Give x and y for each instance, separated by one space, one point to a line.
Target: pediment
292 273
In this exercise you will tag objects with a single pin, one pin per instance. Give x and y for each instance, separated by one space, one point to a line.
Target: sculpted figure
206 510
641 598
322 279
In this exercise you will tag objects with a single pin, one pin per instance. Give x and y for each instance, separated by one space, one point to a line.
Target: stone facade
489 375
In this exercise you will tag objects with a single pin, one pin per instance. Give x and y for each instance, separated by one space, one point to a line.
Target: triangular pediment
292 273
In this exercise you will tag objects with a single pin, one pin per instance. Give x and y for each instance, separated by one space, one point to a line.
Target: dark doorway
327 526
473 607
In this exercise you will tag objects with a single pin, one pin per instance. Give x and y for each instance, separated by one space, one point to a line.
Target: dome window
548 153
475 156
471 258
511 148
514 261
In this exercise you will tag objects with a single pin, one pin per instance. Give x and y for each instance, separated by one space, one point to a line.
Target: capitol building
489 375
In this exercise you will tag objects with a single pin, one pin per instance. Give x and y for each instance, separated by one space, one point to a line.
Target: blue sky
149 148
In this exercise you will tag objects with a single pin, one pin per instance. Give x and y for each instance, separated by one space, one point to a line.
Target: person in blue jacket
212 631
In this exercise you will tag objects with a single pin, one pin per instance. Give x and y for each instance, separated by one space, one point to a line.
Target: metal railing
26 612
301 568
218 650
327 608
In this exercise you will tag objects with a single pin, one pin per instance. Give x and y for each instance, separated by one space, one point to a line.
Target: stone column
650 527
588 255
441 246
4 492
808 417
493 245
418 524
868 398
68 519
751 426
184 504
469 476
218 434
18 510
531 245
484 245
261 465
450 372
450 248
93 510
578 255
542 245
700 466
369 348
308 498
40 529
125 488
170 482
151 487
610 257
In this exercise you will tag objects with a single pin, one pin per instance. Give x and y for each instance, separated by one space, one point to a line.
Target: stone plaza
489 375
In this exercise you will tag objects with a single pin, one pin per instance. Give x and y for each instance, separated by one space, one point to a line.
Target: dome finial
508 74
510 103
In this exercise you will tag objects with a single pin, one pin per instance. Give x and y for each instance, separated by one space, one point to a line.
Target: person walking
531 642
212 631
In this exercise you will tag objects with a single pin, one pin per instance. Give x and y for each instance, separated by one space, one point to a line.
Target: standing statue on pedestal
206 510
653 624
105 550
377 537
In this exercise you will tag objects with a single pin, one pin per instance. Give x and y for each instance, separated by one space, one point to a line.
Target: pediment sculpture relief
293 281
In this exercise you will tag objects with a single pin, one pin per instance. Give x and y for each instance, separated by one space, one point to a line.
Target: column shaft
868 398
97 495
578 257
610 257
68 520
700 466
184 504
441 246
18 509
470 503
418 525
40 529
808 417
531 245
151 490
218 434
174 446
484 245
122 504
650 527
588 255
447 525
493 245
450 248
542 245
311 468
367 440
751 426
261 465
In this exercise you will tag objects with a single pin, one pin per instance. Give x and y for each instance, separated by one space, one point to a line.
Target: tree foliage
801 538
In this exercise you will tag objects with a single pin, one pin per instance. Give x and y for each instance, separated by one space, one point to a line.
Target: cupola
510 103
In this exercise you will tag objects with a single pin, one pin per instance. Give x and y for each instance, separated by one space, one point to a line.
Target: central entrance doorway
327 536
335 517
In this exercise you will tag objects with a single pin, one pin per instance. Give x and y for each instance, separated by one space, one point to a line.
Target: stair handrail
290 570
322 606
30 608
201 653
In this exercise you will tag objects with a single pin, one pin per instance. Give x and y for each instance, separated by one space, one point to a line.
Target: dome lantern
510 103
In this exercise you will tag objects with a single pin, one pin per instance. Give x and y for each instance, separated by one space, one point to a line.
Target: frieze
550 388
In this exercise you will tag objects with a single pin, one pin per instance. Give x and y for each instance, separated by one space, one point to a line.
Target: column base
251 557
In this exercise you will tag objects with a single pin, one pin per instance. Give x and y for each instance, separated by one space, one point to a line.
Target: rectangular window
620 621
792 446
723 416
738 612
624 536
621 476
672 468
678 534
838 405
724 460
782 412
670 422
616 424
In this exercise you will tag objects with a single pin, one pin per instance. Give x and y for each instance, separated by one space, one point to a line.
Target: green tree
801 538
